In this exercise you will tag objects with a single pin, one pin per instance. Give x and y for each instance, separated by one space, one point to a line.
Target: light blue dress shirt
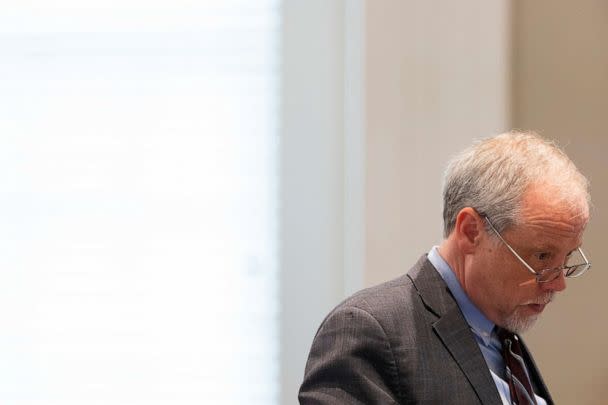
482 327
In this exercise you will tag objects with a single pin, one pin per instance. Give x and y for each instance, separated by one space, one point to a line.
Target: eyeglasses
544 276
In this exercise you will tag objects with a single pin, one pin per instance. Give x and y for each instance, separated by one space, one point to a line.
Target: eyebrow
549 248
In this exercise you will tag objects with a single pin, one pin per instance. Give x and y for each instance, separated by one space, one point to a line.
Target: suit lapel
453 330
457 337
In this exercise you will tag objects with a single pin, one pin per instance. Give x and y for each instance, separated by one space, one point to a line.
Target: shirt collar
481 325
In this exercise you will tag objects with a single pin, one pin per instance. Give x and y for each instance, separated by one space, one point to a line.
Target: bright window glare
138 203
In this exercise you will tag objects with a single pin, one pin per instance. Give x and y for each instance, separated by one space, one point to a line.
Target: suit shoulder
391 289
390 304
381 300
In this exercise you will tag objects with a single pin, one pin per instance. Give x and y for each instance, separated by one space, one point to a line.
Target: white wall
312 178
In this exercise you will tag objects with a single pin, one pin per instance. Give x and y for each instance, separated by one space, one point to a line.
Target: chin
520 323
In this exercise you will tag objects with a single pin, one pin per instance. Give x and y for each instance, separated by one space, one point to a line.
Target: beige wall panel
436 77
560 88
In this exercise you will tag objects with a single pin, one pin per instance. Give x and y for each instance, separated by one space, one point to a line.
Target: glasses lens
575 259
576 264
548 275
577 270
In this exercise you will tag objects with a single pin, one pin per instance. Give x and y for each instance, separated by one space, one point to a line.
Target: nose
556 285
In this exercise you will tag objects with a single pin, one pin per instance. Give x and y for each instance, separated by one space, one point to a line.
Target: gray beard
519 323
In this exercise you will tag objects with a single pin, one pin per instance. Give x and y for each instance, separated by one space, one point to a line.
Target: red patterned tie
516 373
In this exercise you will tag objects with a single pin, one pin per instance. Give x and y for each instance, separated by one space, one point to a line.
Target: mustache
543 299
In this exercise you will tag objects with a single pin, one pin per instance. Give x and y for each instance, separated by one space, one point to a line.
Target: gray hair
492 175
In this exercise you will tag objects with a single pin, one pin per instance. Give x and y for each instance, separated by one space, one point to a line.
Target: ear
468 230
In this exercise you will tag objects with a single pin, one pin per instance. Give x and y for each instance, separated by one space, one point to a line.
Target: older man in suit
515 208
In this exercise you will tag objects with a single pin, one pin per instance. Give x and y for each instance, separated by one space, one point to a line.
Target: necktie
516 372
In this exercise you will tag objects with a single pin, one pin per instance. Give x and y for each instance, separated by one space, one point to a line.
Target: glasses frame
554 273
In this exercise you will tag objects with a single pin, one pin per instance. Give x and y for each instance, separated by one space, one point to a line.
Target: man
515 208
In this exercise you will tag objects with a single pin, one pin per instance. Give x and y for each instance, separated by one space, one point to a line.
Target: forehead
548 216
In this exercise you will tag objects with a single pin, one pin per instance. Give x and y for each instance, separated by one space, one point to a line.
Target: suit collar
453 331
432 289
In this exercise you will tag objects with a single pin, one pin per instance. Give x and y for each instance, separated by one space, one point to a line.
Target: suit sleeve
350 362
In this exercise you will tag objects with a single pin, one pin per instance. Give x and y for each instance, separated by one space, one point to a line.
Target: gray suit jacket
402 342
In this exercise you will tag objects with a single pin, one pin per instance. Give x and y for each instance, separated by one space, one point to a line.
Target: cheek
503 282
510 274
499 272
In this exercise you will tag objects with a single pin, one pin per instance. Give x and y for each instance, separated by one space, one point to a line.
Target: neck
454 258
